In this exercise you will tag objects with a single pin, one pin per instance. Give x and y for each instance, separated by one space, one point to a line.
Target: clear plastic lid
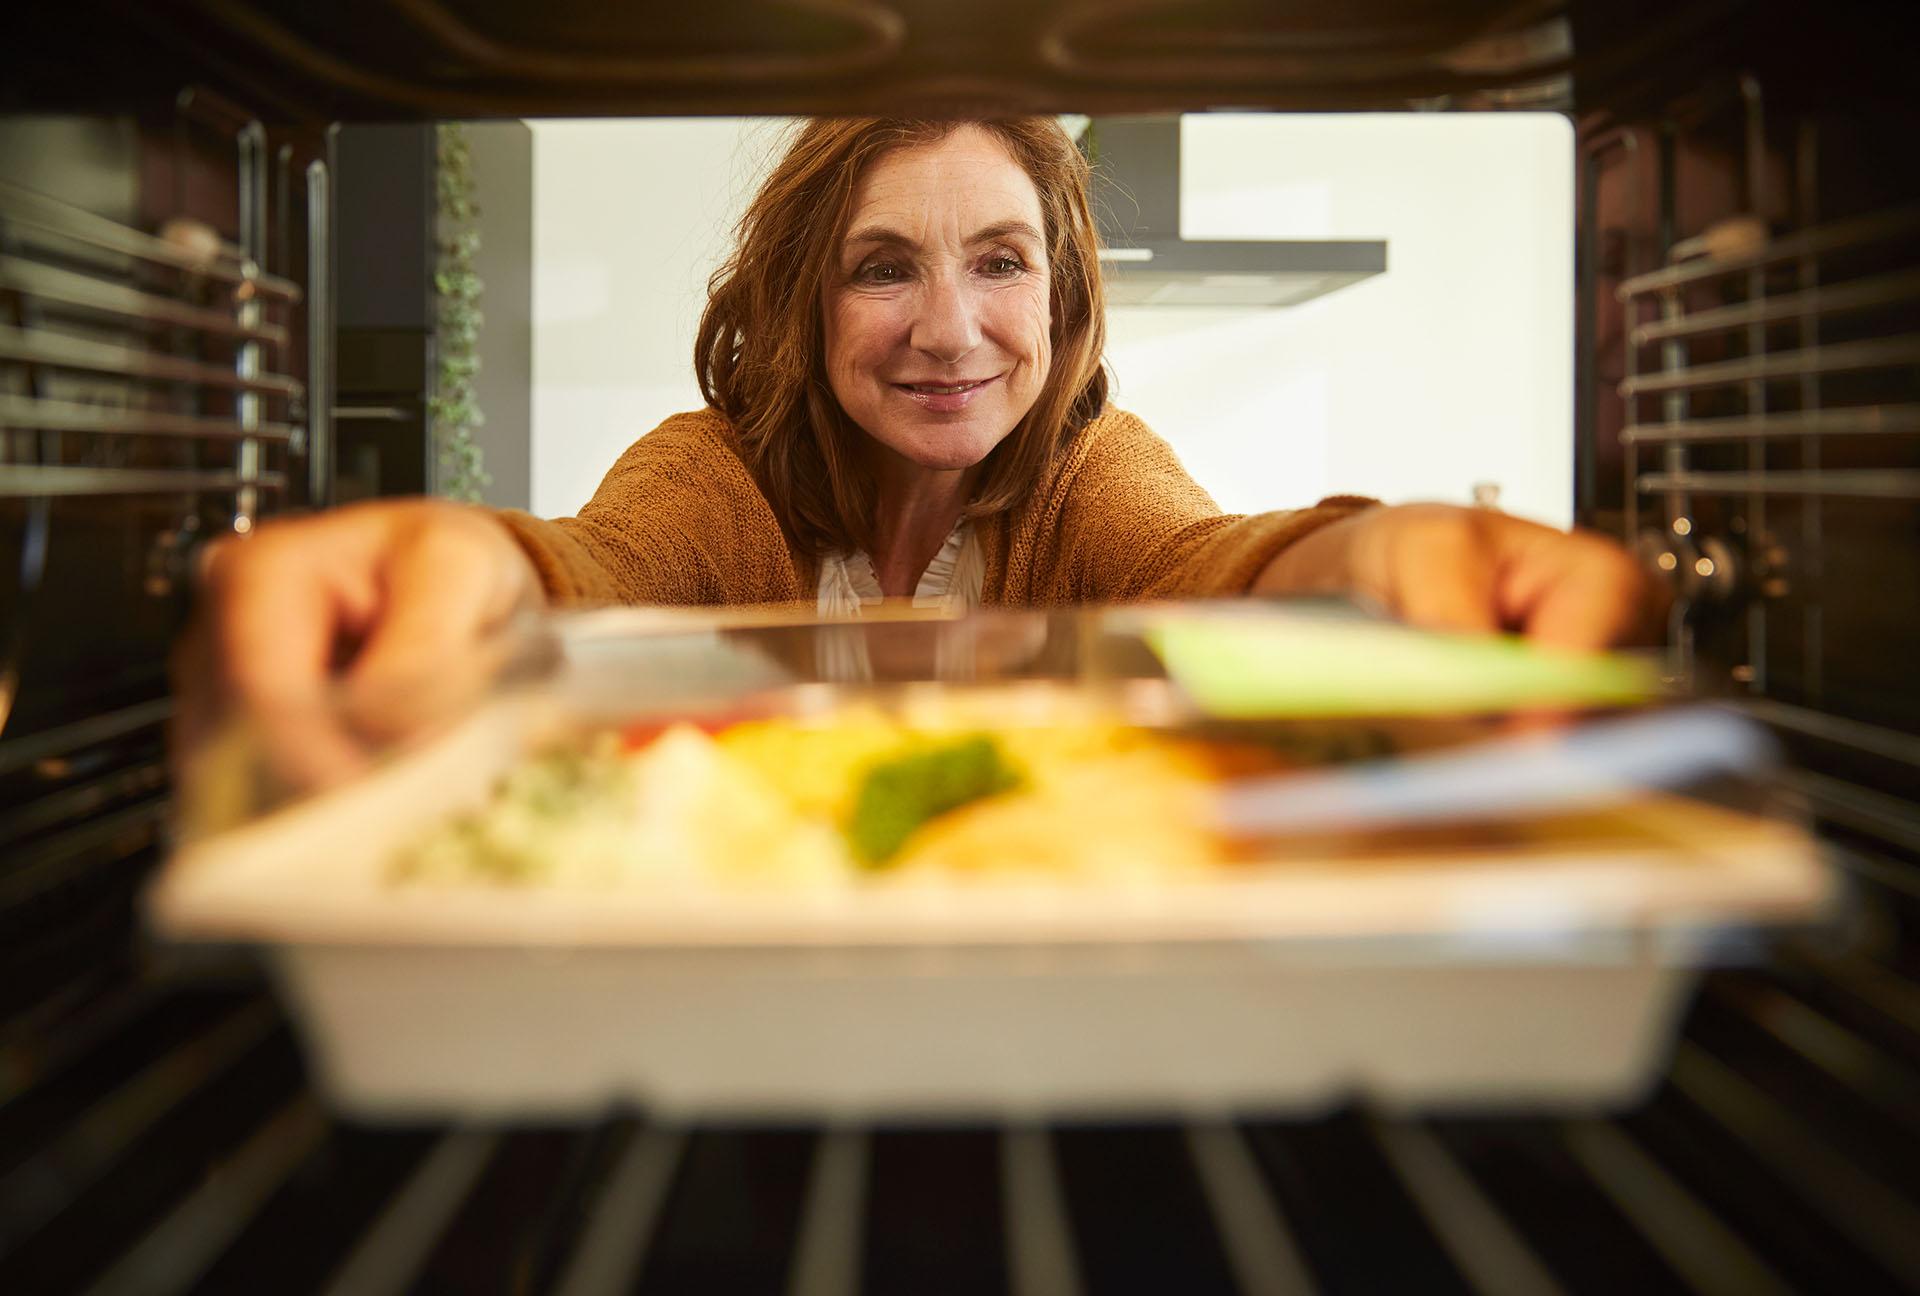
732 772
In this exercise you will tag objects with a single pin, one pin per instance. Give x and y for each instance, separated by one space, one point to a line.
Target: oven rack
1659 313
126 358
159 1137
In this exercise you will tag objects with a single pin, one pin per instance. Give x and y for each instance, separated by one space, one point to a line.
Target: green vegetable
1299 664
901 793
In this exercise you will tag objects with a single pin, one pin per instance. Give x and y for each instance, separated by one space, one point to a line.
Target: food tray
1540 961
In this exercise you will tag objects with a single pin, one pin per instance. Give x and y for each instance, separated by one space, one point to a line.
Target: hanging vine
454 406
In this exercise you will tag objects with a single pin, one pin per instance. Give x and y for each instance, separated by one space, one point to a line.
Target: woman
902 362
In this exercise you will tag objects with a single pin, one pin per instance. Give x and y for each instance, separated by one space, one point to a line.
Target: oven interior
1749 422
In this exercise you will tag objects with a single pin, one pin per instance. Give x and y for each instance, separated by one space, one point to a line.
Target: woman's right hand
332 633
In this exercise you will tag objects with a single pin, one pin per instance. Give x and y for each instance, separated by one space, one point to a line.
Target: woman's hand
1465 569
334 631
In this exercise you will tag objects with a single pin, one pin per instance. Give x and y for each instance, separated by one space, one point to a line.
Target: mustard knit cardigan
680 519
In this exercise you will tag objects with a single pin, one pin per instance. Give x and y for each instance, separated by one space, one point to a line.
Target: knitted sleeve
678 519
1128 523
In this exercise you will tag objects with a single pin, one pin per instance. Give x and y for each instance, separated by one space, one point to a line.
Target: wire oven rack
157 1135
91 367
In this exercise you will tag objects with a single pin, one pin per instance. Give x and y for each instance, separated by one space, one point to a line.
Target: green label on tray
1251 666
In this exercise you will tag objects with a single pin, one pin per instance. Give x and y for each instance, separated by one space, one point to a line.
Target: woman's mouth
945 397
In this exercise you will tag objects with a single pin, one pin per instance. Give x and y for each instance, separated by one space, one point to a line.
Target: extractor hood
1136 165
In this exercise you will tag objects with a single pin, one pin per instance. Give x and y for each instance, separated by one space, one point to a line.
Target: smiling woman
941 269
903 367
903 363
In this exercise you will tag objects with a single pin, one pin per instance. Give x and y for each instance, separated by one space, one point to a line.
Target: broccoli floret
899 794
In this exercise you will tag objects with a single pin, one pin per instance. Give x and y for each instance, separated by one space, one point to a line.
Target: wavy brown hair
760 352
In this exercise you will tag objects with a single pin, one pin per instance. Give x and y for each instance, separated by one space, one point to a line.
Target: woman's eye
1003 264
880 272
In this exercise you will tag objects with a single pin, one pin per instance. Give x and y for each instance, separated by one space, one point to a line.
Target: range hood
1136 166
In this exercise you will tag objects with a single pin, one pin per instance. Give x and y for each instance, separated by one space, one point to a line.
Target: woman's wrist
1320 562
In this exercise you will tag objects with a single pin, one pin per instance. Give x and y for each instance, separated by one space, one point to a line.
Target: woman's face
937 320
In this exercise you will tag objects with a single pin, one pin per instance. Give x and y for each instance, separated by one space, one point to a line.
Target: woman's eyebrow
884 235
1005 229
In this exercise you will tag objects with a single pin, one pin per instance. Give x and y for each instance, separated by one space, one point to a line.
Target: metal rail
1875 740
1864 231
52 284
35 346
181 1246
386 1261
27 209
1861 420
1842 357
18 753
1858 483
82 800
1824 301
320 323
28 481
71 416
1493 1224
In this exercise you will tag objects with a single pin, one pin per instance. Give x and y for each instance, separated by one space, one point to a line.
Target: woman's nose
947 325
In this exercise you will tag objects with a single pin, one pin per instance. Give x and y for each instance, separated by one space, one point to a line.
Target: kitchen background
1453 368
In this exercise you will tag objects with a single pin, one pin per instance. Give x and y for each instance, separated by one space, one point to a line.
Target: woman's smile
944 397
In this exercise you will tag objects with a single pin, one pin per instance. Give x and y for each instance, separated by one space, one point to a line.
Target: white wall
629 219
1454 367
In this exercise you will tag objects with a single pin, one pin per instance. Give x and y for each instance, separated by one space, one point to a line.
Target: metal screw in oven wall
1771 568
1717 569
1657 552
1698 569
167 557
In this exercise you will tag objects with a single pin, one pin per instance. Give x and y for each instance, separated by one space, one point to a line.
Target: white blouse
848 585
952 580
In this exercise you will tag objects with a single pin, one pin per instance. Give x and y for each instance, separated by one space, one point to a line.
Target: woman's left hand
1470 569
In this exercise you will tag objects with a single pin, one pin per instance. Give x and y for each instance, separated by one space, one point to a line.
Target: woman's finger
1441 573
1594 608
1575 591
273 618
446 589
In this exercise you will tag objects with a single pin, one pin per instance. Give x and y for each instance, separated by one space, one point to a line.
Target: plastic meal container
1537 960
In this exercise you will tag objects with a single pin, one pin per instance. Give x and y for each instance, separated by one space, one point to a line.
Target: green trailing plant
454 406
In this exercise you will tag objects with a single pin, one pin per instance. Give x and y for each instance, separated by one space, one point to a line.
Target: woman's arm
678 519
362 622
1123 521
1130 523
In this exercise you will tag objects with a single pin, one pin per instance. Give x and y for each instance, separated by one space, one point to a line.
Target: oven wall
1752 423
140 422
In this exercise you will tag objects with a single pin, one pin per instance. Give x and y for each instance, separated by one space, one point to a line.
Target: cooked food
900 793
820 800
596 813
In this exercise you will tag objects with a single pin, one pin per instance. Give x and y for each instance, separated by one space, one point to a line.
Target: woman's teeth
943 390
